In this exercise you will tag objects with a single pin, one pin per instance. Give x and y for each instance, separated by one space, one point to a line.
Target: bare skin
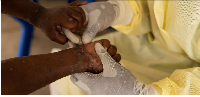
24 75
49 20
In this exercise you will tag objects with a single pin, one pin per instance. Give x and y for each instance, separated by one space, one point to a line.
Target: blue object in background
27 33
25 37
89 1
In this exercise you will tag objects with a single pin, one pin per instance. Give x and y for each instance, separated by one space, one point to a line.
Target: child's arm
49 20
24 75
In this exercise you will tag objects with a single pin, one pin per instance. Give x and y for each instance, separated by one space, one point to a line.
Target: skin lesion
95 65
36 71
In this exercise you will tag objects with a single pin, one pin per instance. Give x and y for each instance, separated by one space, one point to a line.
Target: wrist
74 60
35 20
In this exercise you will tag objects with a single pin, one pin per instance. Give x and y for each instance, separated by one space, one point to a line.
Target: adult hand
100 15
114 79
52 20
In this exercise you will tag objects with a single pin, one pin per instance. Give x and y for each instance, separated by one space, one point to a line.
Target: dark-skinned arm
49 20
24 9
24 75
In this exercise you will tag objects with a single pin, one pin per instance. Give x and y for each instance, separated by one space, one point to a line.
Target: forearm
24 75
24 9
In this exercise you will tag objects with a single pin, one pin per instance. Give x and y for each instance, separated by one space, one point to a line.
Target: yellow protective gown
161 46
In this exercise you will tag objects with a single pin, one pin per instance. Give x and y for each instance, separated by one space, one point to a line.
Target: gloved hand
114 79
101 15
52 20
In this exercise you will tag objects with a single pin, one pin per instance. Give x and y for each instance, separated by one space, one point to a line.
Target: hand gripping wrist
114 80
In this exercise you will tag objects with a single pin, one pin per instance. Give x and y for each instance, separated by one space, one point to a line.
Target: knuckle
74 30
79 18
70 19
75 24
71 25
105 41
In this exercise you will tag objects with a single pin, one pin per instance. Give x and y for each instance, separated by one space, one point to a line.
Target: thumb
107 61
72 37
91 30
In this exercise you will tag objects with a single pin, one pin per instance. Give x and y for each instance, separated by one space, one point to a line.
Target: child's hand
87 58
95 65
51 20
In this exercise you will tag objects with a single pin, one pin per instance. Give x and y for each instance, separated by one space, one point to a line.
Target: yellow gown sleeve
140 21
181 82
179 25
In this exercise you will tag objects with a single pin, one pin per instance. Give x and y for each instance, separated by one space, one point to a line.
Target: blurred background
40 44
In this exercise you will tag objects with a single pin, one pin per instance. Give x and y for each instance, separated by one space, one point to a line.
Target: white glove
101 15
115 79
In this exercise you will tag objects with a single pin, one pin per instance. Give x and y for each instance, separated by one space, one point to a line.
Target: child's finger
59 38
78 3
